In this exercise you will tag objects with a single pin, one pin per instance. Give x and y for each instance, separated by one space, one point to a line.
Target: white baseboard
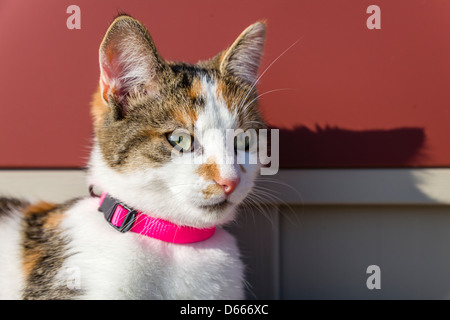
303 187
361 186
48 185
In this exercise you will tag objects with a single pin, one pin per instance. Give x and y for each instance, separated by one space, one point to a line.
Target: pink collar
124 219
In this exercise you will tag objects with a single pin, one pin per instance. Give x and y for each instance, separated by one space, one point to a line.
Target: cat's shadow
327 148
334 147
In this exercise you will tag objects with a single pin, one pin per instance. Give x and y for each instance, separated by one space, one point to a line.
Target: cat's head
162 129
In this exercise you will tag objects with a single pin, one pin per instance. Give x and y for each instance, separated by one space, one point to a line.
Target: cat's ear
128 60
243 58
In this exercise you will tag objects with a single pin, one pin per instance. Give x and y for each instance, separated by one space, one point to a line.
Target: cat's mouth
217 206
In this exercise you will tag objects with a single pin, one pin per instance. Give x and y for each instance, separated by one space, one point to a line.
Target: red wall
356 98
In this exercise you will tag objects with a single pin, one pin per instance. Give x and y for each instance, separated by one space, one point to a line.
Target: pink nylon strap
159 229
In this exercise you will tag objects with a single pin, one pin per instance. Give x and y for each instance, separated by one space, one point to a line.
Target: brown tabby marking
44 251
33 254
8 204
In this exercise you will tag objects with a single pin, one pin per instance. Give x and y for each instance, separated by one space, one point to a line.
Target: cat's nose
228 185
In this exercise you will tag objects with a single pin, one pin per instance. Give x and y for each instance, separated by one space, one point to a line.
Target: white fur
11 271
114 265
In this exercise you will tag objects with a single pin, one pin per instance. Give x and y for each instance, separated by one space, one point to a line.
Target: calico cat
155 232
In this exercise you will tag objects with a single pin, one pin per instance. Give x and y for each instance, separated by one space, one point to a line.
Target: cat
149 116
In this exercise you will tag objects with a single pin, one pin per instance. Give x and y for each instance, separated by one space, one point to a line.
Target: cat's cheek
249 174
241 192
183 184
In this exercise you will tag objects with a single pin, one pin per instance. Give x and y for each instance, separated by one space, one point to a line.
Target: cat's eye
181 140
244 141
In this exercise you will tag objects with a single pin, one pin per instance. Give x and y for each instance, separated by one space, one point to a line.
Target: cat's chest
113 265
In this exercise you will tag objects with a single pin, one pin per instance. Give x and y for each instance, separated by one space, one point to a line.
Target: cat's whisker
248 206
284 184
265 70
260 188
263 94
256 201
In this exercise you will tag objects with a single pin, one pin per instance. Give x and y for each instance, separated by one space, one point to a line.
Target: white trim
293 187
48 185
362 186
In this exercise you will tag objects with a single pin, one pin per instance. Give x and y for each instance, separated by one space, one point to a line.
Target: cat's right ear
129 61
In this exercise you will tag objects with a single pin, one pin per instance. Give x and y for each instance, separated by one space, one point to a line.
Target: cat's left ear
243 58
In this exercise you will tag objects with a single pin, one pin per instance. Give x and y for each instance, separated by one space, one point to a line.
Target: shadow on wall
341 148
336 148
325 252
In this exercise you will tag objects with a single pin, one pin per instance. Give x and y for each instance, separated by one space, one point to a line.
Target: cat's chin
208 215
220 206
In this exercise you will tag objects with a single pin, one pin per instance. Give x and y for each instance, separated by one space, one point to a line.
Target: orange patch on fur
209 170
151 134
221 87
40 207
221 94
212 190
98 107
52 219
30 261
186 116
196 89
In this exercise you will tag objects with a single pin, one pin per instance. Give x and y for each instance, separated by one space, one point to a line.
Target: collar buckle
109 207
